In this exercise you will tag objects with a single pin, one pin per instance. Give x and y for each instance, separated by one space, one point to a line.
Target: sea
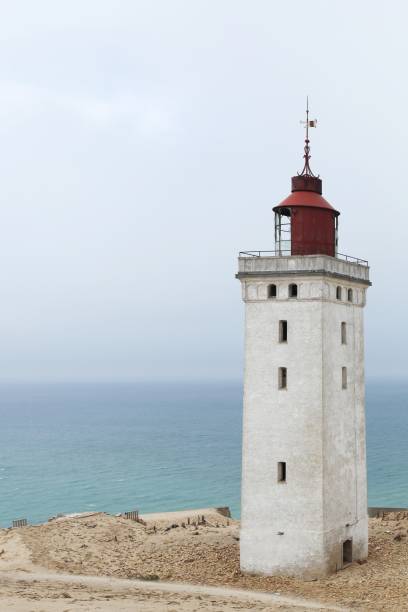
68 448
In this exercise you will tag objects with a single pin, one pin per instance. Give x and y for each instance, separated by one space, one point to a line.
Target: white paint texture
315 426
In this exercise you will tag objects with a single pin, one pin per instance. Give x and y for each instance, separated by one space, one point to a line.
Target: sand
168 550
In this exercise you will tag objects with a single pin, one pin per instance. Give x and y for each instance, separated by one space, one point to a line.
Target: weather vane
309 123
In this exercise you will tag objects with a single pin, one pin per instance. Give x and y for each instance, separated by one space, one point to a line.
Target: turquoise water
72 448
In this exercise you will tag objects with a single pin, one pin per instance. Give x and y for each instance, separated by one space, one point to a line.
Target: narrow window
350 295
281 471
343 333
283 378
338 293
293 290
344 378
271 291
283 331
347 552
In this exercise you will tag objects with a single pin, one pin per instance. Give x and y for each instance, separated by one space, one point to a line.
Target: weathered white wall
303 263
315 426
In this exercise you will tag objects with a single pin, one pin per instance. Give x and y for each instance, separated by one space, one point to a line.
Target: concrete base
305 555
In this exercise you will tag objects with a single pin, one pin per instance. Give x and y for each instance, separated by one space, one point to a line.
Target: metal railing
361 262
283 253
264 253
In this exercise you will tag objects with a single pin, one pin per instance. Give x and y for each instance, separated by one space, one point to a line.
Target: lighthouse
304 477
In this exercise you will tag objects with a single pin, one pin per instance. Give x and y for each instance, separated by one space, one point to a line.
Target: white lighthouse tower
304 484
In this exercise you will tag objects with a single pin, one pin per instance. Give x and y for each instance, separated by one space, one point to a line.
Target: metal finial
307 171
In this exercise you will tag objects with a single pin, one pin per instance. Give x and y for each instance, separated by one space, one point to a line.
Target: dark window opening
281 471
350 295
293 290
338 293
347 552
343 333
344 378
271 291
283 331
283 378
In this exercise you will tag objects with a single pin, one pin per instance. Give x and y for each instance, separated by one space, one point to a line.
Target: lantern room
305 223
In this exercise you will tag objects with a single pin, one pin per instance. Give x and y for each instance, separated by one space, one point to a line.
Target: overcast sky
144 143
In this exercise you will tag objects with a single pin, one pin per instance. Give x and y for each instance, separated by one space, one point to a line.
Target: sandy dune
51 567
123 594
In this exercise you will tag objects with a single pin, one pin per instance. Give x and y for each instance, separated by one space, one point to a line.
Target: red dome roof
305 198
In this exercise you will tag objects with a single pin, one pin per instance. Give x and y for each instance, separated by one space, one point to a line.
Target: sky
143 144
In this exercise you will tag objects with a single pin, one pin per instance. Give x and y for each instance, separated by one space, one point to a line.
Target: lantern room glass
283 236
